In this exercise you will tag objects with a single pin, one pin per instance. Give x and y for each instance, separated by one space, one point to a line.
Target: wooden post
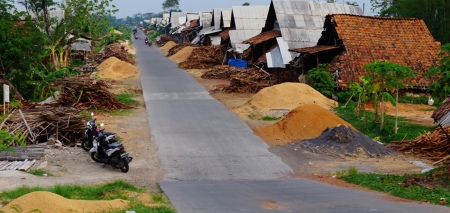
26 124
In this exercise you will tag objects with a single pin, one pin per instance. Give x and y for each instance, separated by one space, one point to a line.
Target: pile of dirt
165 48
118 51
182 55
177 48
163 40
205 57
114 68
342 141
304 122
44 202
283 97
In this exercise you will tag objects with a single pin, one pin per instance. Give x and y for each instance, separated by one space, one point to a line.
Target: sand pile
342 141
47 202
182 55
113 68
165 49
283 97
304 122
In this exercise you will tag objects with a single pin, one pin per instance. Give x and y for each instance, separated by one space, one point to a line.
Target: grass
126 98
40 172
432 186
270 118
110 191
406 129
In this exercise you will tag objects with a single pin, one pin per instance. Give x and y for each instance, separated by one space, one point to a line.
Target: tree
441 88
170 5
246 4
77 17
385 77
320 79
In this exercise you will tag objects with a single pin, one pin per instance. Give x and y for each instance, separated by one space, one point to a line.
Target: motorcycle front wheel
123 165
95 157
85 144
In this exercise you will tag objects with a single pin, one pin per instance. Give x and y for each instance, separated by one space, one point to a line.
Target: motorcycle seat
114 145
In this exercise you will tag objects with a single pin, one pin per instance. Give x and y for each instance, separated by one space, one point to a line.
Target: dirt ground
72 165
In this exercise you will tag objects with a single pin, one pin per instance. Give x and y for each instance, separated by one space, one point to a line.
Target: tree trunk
396 112
382 112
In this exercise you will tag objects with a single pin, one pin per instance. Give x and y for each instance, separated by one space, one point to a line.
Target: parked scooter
91 133
110 153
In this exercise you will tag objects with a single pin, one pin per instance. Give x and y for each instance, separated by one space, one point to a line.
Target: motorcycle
91 133
110 153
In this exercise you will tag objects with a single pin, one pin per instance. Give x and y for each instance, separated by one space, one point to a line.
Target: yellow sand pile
118 32
182 55
304 122
165 49
285 96
47 202
114 68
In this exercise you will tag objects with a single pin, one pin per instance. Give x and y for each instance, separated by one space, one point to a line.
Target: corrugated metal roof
81 46
175 18
205 19
301 22
249 21
217 15
192 16
442 110
275 59
226 18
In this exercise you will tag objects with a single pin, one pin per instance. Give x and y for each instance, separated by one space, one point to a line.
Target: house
300 24
210 35
349 42
246 22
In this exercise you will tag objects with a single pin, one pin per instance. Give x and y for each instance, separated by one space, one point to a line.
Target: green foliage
382 78
321 80
441 88
8 140
40 172
126 98
413 100
169 5
246 4
154 35
270 118
399 186
369 127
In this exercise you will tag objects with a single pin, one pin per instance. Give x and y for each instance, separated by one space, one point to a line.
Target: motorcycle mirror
102 124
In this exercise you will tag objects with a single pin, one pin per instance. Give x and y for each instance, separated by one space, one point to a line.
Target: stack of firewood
87 93
118 51
177 48
247 81
204 57
39 123
432 145
221 72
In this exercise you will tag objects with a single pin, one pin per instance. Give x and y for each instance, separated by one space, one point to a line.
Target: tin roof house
350 42
300 24
209 35
246 22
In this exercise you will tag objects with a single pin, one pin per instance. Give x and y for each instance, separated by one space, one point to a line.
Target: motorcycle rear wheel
95 157
85 144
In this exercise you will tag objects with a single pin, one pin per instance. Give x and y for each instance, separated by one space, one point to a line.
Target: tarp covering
239 63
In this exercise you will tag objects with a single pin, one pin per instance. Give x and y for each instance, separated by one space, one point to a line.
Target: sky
131 7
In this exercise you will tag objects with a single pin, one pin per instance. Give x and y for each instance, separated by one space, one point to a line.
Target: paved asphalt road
214 163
